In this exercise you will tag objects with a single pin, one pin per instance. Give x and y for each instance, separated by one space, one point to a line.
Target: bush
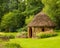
57 30
10 36
12 45
6 37
3 37
46 34
12 21
22 29
22 35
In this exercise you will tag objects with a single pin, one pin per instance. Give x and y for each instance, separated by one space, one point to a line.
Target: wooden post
28 33
33 32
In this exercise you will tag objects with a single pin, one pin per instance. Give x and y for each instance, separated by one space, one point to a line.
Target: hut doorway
30 32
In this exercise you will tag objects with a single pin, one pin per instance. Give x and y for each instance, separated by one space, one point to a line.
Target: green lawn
53 42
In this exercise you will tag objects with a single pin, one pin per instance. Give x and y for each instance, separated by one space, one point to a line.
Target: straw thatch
41 20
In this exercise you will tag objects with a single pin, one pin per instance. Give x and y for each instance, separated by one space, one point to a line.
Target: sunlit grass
10 33
52 42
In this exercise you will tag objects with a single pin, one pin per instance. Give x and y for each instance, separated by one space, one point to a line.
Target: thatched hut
40 23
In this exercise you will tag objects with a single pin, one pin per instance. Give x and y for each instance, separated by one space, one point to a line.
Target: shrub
12 45
10 36
3 37
22 35
22 29
57 30
46 34
6 37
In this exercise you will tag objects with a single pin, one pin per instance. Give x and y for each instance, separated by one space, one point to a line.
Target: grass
10 33
52 42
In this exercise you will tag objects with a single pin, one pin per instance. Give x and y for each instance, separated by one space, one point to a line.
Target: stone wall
38 30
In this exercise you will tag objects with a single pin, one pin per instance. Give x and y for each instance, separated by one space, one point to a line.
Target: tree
13 5
34 6
22 6
29 19
52 8
12 21
3 8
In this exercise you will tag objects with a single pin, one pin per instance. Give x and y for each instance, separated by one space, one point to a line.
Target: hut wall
49 29
33 32
38 29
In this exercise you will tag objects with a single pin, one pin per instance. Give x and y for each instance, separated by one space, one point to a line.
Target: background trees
52 8
33 6
3 8
13 12
12 21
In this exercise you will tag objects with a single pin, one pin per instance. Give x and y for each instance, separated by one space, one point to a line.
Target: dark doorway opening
30 32
43 29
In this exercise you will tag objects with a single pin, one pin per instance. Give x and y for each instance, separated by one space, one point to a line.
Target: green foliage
17 5
12 21
52 8
3 8
57 30
34 6
21 5
10 36
46 34
7 36
29 19
22 29
12 45
13 5
4 38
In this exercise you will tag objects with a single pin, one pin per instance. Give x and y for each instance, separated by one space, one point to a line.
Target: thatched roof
41 20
